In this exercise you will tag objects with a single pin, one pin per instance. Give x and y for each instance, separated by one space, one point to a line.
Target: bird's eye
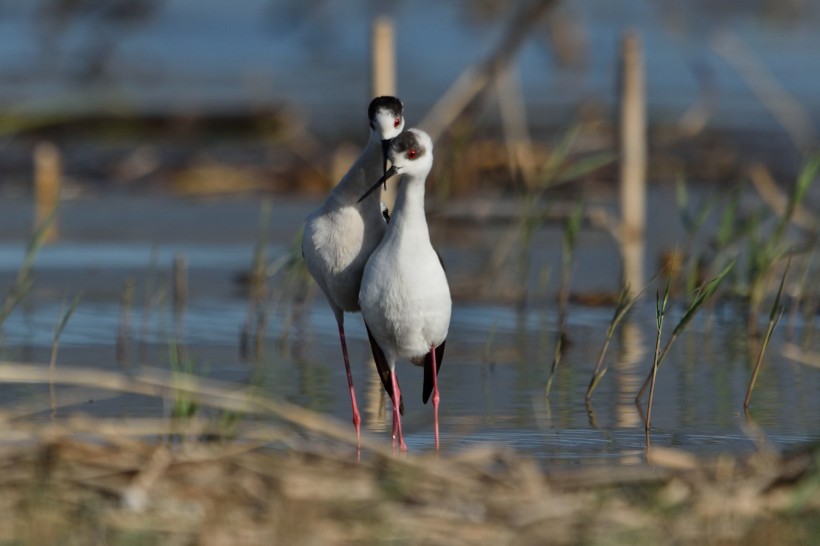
396 122
412 154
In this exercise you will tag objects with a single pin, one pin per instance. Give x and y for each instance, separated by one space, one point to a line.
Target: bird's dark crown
391 104
407 140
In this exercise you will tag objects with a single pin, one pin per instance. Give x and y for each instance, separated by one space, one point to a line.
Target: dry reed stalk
514 121
778 200
791 115
383 50
180 285
633 160
47 188
124 333
477 77
135 496
802 356
158 383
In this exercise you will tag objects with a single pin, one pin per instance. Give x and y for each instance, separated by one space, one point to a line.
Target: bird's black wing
428 371
384 369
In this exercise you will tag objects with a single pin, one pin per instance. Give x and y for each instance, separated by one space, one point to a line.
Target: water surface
495 369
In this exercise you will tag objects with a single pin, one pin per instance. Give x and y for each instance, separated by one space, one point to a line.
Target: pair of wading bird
387 269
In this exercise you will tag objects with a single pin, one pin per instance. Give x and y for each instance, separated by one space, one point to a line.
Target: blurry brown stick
633 160
514 122
775 98
384 84
180 286
216 394
124 333
384 57
478 76
47 185
807 358
384 76
135 496
776 198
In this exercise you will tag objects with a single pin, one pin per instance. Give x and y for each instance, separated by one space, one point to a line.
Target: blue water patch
132 255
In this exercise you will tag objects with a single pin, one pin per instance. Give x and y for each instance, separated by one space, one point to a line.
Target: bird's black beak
383 180
385 150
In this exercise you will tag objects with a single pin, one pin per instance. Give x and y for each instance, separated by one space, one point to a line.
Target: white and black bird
405 298
341 234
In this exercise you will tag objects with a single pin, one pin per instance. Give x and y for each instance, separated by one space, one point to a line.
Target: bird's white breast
405 297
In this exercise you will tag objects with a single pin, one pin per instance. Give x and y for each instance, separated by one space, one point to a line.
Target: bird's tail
428 371
384 369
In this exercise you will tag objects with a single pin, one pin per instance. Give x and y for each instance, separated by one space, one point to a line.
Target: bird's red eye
411 153
396 122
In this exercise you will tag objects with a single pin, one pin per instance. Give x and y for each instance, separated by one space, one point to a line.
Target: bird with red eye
340 235
404 296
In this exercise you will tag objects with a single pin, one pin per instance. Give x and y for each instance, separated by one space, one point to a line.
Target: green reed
774 318
625 302
702 295
572 227
661 305
182 366
799 292
55 344
24 280
766 250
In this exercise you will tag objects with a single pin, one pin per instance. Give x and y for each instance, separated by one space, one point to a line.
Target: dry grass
287 476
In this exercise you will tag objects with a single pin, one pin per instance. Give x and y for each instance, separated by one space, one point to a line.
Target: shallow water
494 372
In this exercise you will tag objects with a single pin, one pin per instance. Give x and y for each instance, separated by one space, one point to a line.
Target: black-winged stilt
405 297
341 234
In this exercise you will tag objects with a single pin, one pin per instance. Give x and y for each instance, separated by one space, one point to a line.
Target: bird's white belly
407 309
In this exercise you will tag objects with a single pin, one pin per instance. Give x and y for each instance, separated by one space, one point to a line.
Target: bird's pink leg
356 417
436 397
394 432
397 415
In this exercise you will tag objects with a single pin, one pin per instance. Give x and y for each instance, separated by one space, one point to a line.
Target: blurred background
168 93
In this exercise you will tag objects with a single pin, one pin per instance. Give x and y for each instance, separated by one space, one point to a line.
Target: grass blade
774 318
55 344
660 312
25 275
702 295
625 302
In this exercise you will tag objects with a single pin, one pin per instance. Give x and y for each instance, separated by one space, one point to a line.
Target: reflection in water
633 353
376 406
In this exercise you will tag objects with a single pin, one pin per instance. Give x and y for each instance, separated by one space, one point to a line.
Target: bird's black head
390 105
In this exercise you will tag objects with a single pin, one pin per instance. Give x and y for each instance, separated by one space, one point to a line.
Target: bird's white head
410 153
386 116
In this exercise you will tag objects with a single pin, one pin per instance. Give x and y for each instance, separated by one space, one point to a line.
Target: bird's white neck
408 213
362 175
